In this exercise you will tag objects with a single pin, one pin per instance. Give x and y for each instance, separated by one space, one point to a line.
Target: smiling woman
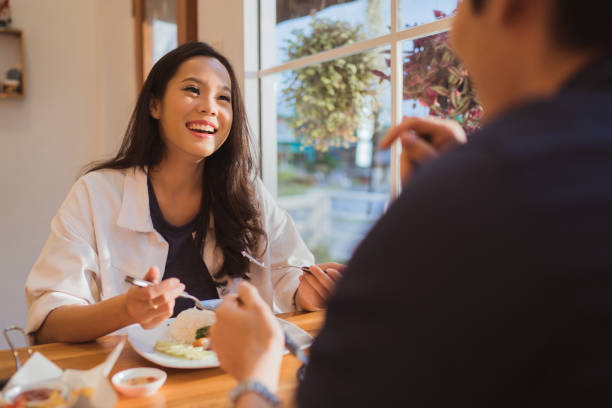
181 197
196 113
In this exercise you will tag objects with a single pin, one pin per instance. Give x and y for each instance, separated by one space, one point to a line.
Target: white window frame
261 98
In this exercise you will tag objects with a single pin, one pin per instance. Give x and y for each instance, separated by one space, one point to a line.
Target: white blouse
103 232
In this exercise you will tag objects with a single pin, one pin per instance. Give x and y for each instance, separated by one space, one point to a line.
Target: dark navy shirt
488 283
184 260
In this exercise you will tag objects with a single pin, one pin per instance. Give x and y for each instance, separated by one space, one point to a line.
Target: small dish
44 393
140 381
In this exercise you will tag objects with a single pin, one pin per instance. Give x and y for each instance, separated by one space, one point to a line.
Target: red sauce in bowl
134 381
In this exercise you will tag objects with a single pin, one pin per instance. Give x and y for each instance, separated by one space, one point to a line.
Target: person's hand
247 338
422 140
316 287
152 305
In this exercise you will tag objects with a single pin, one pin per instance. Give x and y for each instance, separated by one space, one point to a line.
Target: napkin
38 369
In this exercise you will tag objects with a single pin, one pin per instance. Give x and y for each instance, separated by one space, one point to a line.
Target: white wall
221 24
231 27
80 91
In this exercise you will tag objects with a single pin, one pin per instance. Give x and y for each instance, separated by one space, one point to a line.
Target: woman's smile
202 128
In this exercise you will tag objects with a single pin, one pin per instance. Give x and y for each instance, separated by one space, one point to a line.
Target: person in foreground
180 200
487 283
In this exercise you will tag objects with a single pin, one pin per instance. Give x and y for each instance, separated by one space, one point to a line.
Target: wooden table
207 387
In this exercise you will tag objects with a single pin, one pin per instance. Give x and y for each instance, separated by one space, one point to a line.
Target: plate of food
182 342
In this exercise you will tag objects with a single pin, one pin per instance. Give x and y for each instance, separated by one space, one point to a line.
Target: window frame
187 30
267 113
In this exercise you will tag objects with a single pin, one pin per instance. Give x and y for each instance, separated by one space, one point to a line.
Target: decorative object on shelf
5 13
12 83
12 63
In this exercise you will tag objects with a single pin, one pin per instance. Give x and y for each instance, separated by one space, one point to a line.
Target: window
161 25
334 76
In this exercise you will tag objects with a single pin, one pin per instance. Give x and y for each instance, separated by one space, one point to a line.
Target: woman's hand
152 305
247 338
422 140
316 286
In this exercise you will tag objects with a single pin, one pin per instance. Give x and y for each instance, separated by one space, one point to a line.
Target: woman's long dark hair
228 181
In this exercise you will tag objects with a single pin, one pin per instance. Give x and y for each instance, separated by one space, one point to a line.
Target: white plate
143 342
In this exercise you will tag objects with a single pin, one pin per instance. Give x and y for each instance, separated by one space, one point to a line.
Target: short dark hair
578 24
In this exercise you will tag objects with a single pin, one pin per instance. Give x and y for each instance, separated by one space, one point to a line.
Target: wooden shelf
11 95
11 31
11 56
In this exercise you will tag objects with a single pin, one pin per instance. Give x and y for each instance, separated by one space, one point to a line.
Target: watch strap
255 387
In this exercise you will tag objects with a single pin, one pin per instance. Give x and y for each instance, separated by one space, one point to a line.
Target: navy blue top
488 283
184 259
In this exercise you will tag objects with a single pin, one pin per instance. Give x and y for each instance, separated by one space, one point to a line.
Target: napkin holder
13 348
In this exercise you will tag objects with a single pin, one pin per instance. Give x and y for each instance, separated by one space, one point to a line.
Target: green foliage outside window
332 98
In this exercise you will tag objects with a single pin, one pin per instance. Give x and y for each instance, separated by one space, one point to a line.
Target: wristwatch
252 386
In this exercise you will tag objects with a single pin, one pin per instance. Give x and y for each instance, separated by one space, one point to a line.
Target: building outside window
334 75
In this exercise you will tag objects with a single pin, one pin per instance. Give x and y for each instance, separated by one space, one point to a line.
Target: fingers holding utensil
422 139
334 270
149 306
317 284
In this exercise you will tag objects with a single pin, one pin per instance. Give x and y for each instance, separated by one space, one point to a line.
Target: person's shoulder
542 126
104 190
511 159
472 181
105 180
465 165
104 177
538 141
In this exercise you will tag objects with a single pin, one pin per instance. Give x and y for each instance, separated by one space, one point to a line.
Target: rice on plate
187 323
188 334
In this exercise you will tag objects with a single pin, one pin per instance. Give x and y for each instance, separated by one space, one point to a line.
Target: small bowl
9 395
152 380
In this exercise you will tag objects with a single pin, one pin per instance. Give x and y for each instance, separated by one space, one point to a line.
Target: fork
257 262
143 284
303 268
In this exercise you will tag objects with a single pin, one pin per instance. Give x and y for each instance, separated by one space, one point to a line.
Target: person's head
193 109
574 24
508 45
190 107
189 87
